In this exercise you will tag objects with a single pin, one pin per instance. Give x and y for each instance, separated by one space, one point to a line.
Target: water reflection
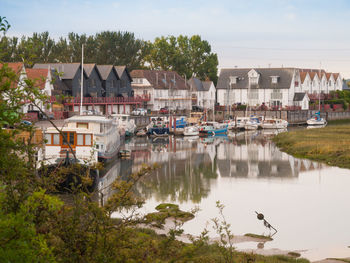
306 201
188 165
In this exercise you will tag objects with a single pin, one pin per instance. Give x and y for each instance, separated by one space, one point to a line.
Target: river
307 202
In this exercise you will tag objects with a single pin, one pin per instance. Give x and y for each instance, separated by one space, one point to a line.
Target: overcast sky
244 33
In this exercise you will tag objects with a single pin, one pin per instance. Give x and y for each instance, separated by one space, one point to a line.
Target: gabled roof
89 68
328 75
161 79
120 70
105 70
313 75
303 76
39 76
68 70
195 84
335 75
284 80
207 84
299 96
16 66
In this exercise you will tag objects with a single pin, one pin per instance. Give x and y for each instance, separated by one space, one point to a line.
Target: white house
203 93
167 89
272 86
41 79
301 99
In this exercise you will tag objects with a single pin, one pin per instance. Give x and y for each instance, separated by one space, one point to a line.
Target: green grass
259 236
330 145
339 122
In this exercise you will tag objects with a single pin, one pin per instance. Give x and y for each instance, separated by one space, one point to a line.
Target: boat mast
82 79
319 91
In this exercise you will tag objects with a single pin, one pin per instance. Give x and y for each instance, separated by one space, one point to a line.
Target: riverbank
330 145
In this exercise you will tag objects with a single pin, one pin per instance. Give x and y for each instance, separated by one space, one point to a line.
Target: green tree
188 56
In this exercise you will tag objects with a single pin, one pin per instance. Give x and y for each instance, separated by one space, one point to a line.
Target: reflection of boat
155 134
191 131
191 138
272 131
316 126
124 154
141 133
316 119
125 123
269 123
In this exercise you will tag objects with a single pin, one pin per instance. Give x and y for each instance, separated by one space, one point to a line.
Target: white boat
191 131
125 123
316 120
105 131
270 123
80 139
246 123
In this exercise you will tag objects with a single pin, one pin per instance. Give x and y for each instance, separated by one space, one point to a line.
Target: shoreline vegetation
329 145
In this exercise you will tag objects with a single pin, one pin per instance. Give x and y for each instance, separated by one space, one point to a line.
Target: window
253 80
88 139
48 138
274 79
56 139
80 139
101 128
93 83
70 138
276 94
233 80
253 94
83 125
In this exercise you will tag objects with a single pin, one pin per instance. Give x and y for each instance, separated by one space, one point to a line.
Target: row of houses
167 89
273 87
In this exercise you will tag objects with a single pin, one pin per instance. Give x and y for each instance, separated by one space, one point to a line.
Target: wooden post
175 125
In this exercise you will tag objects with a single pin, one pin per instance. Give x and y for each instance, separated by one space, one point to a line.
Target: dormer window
253 80
233 80
274 79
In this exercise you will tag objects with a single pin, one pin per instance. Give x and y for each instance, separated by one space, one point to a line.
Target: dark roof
105 70
207 85
265 82
68 70
195 84
88 68
161 79
121 69
299 96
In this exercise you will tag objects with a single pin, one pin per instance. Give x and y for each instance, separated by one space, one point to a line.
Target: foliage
189 56
259 236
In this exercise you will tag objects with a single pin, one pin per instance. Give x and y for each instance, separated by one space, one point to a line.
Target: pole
82 79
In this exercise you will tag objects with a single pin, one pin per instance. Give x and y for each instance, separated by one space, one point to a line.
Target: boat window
97 146
88 140
64 137
80 139
56 139
48 138
82 125
71 138
101 128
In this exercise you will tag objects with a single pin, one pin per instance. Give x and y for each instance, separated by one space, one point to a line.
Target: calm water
306 201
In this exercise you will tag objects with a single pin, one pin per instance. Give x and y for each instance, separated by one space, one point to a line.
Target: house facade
167 89
203 93
124 89
110 80
273 87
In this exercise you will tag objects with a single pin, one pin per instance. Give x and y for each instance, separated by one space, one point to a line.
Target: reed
330 145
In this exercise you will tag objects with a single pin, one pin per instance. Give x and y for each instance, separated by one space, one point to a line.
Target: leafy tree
188 56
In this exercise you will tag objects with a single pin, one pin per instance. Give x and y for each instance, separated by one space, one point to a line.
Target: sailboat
316 119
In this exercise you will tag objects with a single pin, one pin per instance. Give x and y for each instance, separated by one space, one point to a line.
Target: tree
188 56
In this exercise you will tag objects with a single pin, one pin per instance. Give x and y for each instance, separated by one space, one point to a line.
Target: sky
244 33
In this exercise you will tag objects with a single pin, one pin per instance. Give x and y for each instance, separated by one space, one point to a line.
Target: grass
339 122
259 236
330 145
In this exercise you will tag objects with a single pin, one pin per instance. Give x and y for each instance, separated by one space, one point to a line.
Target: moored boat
191 131
316 119
125 123
270 123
